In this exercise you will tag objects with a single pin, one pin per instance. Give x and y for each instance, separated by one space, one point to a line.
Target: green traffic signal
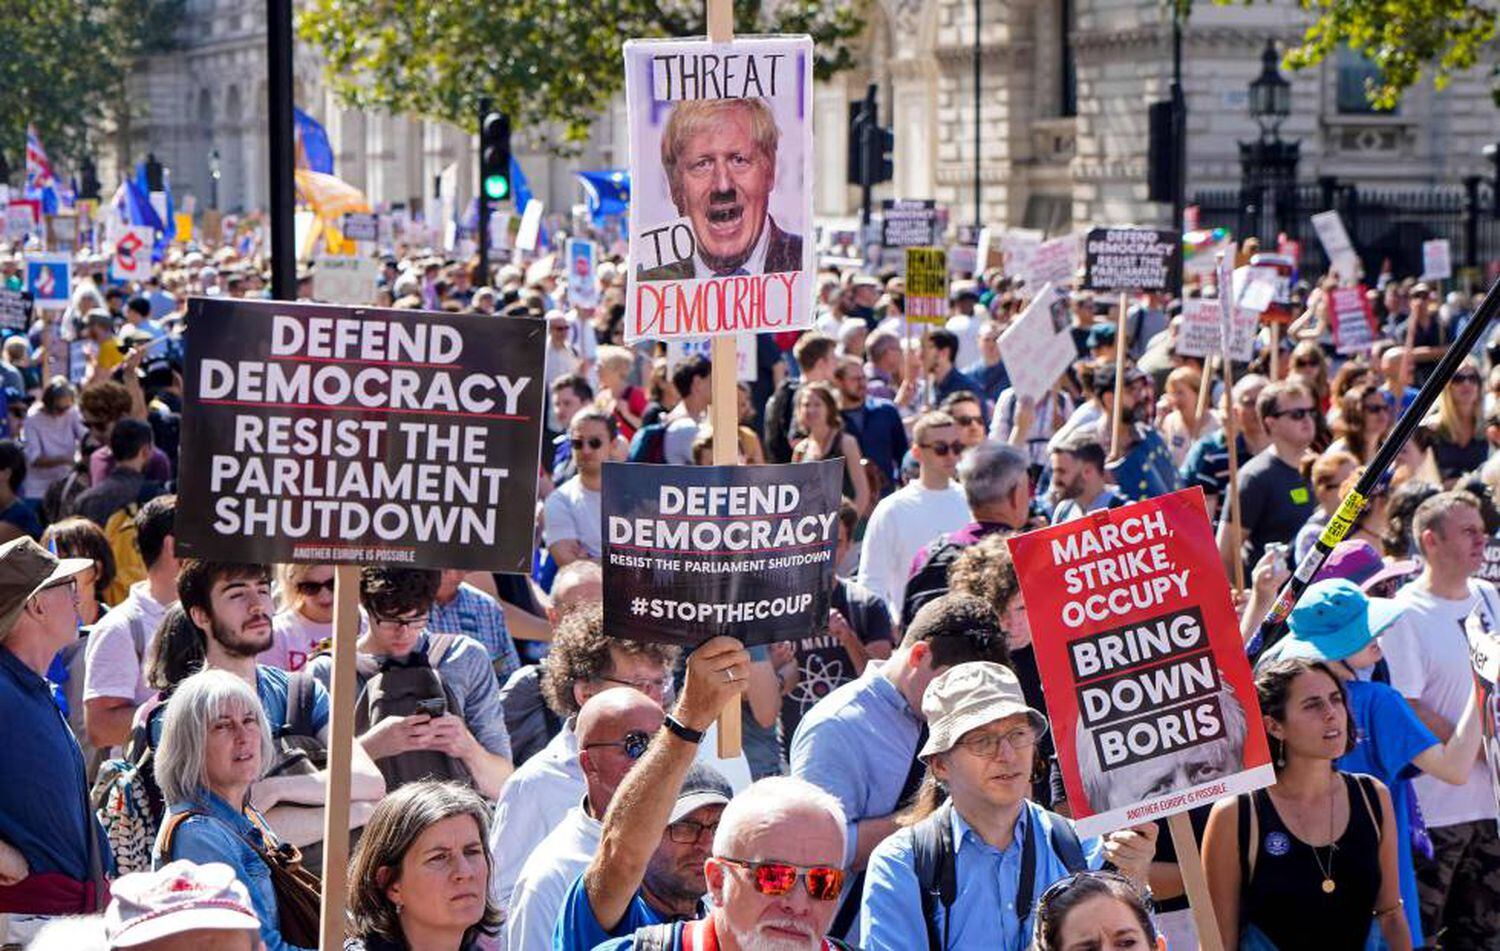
497 187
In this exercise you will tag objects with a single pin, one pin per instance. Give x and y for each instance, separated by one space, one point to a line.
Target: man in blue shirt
939 351
53 854
461 608
982 750
1142 466
874 423
660 825
860 742
989 370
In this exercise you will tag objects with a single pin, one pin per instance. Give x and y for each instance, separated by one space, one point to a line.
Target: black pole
283 150
1179 126
1354 503
484 200
978 222
867 132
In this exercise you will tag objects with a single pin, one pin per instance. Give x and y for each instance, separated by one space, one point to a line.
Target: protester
461 608
182 905
1207 463
417 878
51 437
1095 910
571 517
125 486
1458 445
306 616
1181 426
1078 466
816 356
981 753
939 359
818 419
17 517
967 409
1142 464
874 423
1311 860
1275 499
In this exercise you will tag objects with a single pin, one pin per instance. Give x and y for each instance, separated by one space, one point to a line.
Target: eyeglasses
986 745
634 744
71 585
310 589
1298 414
1466 378
687 832
1372 408
593 442
824 882
942 449
969 420
656 685
398 624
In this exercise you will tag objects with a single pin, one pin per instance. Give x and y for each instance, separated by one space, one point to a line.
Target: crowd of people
524 779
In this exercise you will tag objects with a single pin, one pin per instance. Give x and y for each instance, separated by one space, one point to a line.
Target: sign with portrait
1037 347
721 168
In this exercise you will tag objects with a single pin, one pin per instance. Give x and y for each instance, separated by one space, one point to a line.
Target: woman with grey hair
420 875
215 743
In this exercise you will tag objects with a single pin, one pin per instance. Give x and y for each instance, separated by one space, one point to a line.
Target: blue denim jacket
219 833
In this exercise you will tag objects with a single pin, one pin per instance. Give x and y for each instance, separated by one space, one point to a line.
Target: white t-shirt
114 661
901 524
572 511
293 638
1428 653
545 879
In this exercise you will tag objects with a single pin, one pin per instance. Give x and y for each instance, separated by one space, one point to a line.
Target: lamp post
1269 165
214 173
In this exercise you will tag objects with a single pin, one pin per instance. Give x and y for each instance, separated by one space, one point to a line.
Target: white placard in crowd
531 226
1336 244
345 279
1055 262
131 259
1038 346
1199 334
1437 260
744 354
583 281
18 222
1019 247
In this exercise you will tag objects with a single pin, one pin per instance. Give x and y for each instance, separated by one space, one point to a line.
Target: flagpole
283 145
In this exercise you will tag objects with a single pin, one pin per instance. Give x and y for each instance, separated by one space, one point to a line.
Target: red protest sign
1149 692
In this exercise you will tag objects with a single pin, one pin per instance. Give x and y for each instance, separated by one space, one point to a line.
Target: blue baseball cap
1335 620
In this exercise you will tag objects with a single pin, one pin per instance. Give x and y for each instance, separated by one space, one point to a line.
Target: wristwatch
683 732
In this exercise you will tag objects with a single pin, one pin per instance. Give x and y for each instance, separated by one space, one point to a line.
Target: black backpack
395 688
937 878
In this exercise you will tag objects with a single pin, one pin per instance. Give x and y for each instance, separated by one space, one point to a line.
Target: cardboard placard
1201 335
1149 691
1018 246
62 232
1037 347
15 310
359 435
1353 324
1054 262
20 218
531 226
707 264
909 223
1342 257
345 279
358 226
926 286
49 277
693 552
745 368
583 281
131 260
1132 259
1437 260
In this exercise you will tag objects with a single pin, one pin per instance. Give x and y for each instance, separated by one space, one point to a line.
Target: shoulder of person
464 653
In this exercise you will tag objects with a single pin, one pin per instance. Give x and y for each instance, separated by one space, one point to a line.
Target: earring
399 906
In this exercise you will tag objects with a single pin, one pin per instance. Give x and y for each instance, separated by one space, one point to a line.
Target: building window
1355 71
1068 103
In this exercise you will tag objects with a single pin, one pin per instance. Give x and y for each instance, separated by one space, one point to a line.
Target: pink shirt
293 638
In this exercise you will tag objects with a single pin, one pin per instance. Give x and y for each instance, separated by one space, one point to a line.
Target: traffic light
494 155
88 180
882 144
1161 153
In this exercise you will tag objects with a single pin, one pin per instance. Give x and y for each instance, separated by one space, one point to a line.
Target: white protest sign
583 282
745 369
531 226
1018 246
1037 347
707 265
345 279
18 221
358 226
1255 287
1336 244
1200 335
1352 330
1054 262
1437 260
131 260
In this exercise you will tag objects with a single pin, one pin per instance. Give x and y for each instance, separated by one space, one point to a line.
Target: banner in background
926 286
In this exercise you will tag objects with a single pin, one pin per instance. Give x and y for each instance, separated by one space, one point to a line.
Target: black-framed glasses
1466 378
310 589
633 743
824 882
687 831
987 745
1381 408
398 623
593 442
969 420
942 449
1298 414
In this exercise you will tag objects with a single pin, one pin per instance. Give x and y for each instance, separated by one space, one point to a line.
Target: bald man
614 728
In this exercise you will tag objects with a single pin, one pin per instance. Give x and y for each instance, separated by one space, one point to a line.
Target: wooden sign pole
1231 429
1117 429
342 690
1205 389
1190 864
724 409
1275 351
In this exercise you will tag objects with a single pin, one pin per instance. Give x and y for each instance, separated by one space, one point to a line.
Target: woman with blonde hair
1456 425
616 395
306 616
1181 426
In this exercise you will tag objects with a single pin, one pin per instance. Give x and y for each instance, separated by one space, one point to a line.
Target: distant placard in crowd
583 279
745 366
358 226
49 278
693 552
1490 570
926 286
1484 657
909 223
530 228
1131 259
711 260
1437 260
1200 334
1353 326
345 279
1149 691
15 309
315 433
1018 246
1037 348
131 260
1055 261
1342 258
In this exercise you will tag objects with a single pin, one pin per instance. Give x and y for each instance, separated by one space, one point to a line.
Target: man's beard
754 941
236 646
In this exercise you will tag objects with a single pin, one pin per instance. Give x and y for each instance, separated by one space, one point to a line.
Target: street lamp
214 173
1270 94
1269 165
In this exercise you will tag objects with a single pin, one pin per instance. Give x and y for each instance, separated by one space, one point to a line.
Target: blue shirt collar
962 829
885 691
216 806
24 675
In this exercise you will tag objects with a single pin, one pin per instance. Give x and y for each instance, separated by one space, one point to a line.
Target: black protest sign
15 309
692 552
1132 259
317 433
909 223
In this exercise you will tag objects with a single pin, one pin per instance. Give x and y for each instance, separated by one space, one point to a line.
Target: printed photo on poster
693 552
583 282
1037 347
1149 690
721 186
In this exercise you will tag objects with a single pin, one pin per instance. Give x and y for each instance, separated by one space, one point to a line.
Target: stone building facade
1062 131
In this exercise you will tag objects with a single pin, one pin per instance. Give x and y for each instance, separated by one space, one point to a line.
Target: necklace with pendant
1328 883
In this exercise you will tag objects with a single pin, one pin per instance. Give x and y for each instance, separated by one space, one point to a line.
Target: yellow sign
927 285
184 223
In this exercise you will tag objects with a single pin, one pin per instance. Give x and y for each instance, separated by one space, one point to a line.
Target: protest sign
49 277
1490 570
1149 691
18 221
1200 249
1055 262
131 260
531 226
963 259
692 552
1037 347
183 223
907 223
1336 244
1200 334
1131 259
345 279
359 435
62 232
15 310
745 369
1437 260
358 226
708 262
1484 657
926 286
1018 246
1353 327
583 282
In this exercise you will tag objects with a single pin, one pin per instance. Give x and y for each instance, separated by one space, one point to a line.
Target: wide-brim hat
968 696
25 569
1336 620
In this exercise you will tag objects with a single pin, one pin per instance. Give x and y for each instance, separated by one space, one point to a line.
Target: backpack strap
1249 836
169 831
1063 838
438 646
138 636
937 877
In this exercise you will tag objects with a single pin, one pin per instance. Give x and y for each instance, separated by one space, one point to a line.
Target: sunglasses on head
309 589
824 882
942 449
593 442
633 743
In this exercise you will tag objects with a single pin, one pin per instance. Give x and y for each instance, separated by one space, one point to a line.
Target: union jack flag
39 174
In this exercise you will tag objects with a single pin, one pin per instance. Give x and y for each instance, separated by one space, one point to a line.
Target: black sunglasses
309 589
1298 414
593 442
942 449
634 744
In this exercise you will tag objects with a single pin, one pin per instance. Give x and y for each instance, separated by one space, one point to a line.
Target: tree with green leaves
549 64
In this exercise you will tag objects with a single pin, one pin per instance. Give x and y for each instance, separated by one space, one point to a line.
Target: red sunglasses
824 883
